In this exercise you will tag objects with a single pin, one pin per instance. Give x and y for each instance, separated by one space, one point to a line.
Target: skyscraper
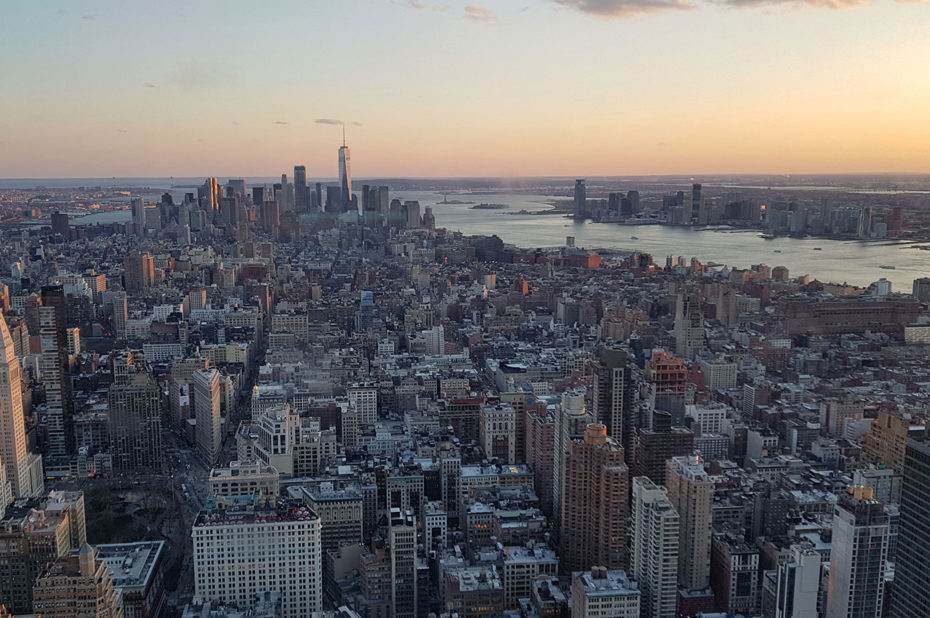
404 571
209 195
798 584
696 201
613 396
654 528
138 217
134 417
691 492
689 325
205 390
56 374
301 189
595 506
23 469
345 174
911 596
580 201
858 553
571 419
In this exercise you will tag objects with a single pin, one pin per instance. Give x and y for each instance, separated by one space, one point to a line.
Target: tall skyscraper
689 325
911 596
614 396
138 272
23 469
654 528
404 571
209 195
301 189
580 199
571 419
138 216
205 390
652 447
134 417
595 506
691 492
696 201
345 174
55 369
858 556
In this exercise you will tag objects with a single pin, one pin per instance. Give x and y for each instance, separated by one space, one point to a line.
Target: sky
444 88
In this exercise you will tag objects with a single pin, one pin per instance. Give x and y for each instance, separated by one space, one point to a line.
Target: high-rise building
689 325
734 573
138 216
691 491
886 442
696 201
614 392
571 420
23 469
798 584
403 543
653 446
138 272
345 175
134 417
60 224
77 586
55 368
595 506
119 312
858 556
364 398
911 596
654 528
205 391
245 545
580 199
209 195
921 289
301 189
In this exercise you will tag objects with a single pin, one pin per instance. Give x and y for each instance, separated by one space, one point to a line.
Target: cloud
423 6
625 8
329 121
278 122
828 4
479 13
356 124
149 85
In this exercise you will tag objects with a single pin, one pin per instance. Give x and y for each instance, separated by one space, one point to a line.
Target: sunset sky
445 88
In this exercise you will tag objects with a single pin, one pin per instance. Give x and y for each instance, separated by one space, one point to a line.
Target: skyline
663 89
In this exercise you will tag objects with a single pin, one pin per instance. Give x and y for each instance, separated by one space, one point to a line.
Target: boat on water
777 251
767 236
634 237
886 267
817 249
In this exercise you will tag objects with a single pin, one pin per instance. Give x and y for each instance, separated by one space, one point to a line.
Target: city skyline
425 89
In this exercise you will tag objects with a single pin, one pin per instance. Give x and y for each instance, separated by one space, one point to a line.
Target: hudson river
838 261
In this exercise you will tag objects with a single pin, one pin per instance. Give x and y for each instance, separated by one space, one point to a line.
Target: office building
689 325
696 202
403 544
341 515
798 583
580 199
886 442
23 469
921 289
244 479
734 573
138 573
652 447
138 272
60 224
691 491
301 189
497 431
604 592
345 175
911 597
134 417
654 529
205 391
595 505
138 216
858 556
613 400
77 586
56 371
247 545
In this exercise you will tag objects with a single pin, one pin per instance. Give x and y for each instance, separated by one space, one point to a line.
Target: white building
249 546
798 588
365 399
600 593
654 528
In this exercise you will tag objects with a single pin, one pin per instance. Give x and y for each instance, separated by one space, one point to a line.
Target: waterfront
840 261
